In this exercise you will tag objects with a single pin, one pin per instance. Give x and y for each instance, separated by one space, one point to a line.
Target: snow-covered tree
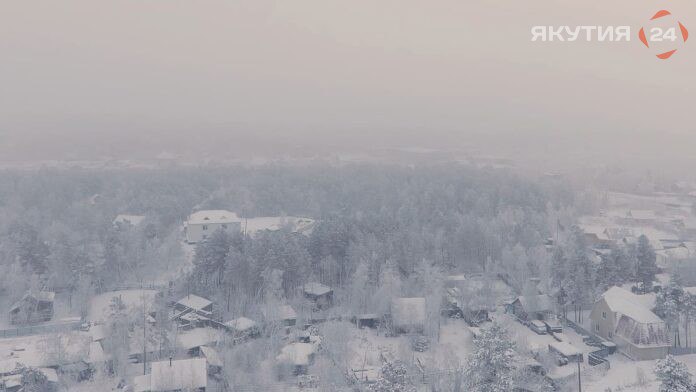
669 305
490 367
32 379
673 375
646 267
393 378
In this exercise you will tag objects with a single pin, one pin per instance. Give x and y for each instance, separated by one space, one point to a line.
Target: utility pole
579 382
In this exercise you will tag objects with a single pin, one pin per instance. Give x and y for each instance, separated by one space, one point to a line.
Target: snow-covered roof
565 348
182 374
212 356
282 312
317 289
241 324
212 216
536 303
47 296
273 223
192 301
134 220
408 311
631 305
198 337
298 354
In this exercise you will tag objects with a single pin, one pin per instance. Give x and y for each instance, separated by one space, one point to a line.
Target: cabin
202 224
533 307
626 319
33 308
321 295
408 315
596 236
174 375
297 356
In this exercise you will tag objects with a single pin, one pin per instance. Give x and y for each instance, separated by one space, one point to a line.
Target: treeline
57 224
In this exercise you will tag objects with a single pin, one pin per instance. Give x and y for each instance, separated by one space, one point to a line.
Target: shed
566 350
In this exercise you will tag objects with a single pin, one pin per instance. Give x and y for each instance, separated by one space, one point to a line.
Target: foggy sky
326 73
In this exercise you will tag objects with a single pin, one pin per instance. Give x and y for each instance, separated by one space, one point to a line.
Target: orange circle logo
661 36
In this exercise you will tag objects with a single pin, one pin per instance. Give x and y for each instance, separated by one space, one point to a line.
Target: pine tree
673 375
490 366
646 267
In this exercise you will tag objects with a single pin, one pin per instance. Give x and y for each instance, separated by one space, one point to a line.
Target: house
455 306
283 314
533 307
408 315
123 220
200 225
321 295
596 236
33 308
243 328
626 319
194 304
298 356
174 375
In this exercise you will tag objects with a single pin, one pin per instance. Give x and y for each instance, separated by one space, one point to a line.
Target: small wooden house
321 295
33 308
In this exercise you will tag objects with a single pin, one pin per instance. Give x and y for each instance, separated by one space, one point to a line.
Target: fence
681 350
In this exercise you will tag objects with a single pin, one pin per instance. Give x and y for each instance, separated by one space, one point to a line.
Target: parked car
538 326
553 326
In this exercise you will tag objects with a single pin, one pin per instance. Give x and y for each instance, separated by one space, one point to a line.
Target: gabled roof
212 216
536 303
636 307
194 302
46 296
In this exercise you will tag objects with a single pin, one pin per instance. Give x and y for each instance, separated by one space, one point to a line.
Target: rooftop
194 302
212 216
182 374
631 305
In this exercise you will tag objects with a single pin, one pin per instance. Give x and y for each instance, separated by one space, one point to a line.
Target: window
596 327
604 315
205 227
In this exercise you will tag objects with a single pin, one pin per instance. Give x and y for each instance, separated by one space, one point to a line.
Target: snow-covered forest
393 278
